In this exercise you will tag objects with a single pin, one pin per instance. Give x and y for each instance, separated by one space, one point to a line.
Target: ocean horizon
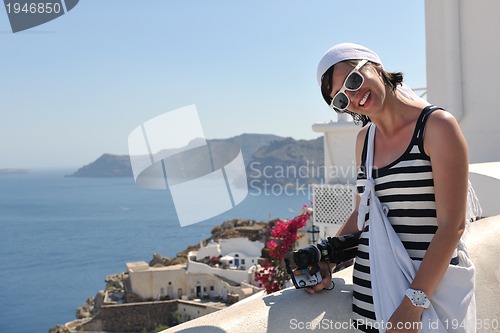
61 236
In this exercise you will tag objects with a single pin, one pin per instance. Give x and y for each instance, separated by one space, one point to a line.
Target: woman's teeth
365 97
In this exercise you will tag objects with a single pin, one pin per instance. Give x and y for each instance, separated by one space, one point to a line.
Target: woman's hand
407 318
326 273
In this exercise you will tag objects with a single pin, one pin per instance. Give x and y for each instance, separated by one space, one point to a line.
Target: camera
302 278
302 265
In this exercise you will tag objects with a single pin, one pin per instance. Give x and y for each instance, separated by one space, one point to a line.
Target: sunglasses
353 82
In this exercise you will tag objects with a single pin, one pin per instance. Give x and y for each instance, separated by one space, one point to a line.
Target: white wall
486 180
276 312
241 246
234 275
211 250
191 310
462 69
340 150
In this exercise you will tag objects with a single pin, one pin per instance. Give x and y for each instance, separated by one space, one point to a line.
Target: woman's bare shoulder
442 130
442 123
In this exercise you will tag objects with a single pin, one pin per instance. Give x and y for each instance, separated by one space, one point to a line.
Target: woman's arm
447 148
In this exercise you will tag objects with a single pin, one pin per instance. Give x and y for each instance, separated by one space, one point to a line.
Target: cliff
107 165
287 161
114 310
269 160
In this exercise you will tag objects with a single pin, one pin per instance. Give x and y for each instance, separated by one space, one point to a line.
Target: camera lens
306 257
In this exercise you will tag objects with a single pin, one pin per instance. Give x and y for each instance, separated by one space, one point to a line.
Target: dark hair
392 79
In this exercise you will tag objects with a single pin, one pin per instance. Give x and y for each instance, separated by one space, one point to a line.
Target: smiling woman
413 187
354 80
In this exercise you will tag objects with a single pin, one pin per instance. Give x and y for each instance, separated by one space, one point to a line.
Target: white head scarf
343 52
350 51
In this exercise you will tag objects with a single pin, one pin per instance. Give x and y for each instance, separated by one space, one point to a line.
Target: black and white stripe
406 188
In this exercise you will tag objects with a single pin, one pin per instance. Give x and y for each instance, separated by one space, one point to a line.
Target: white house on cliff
231 279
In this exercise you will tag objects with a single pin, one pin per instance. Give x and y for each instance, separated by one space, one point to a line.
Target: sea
61 236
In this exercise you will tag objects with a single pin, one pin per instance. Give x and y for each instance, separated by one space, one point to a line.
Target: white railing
333 203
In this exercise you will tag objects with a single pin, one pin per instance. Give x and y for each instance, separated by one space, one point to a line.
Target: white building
177 282
198 280
236 253
188 310
211 250
238 258
461 51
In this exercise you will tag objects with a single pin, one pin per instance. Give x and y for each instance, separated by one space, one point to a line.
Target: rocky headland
269 160
115 291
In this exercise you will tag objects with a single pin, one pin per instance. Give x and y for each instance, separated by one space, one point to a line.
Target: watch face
419 298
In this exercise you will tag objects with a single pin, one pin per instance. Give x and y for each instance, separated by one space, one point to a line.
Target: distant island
107 165
269 160
14 171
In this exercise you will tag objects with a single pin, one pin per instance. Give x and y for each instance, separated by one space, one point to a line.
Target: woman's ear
380 71
378 67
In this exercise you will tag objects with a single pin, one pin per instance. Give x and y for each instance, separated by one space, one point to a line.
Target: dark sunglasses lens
354 81
341 101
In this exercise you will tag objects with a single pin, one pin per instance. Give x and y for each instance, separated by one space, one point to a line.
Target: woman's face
369 97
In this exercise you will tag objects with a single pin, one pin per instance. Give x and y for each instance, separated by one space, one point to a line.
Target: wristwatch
418 298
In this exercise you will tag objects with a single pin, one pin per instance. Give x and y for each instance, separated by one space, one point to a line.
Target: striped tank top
406 189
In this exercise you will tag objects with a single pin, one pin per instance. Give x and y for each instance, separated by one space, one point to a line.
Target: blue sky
75 87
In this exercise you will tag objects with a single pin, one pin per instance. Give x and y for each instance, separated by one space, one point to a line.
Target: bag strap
370 150
370 183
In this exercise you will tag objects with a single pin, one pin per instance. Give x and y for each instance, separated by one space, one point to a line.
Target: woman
420 174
